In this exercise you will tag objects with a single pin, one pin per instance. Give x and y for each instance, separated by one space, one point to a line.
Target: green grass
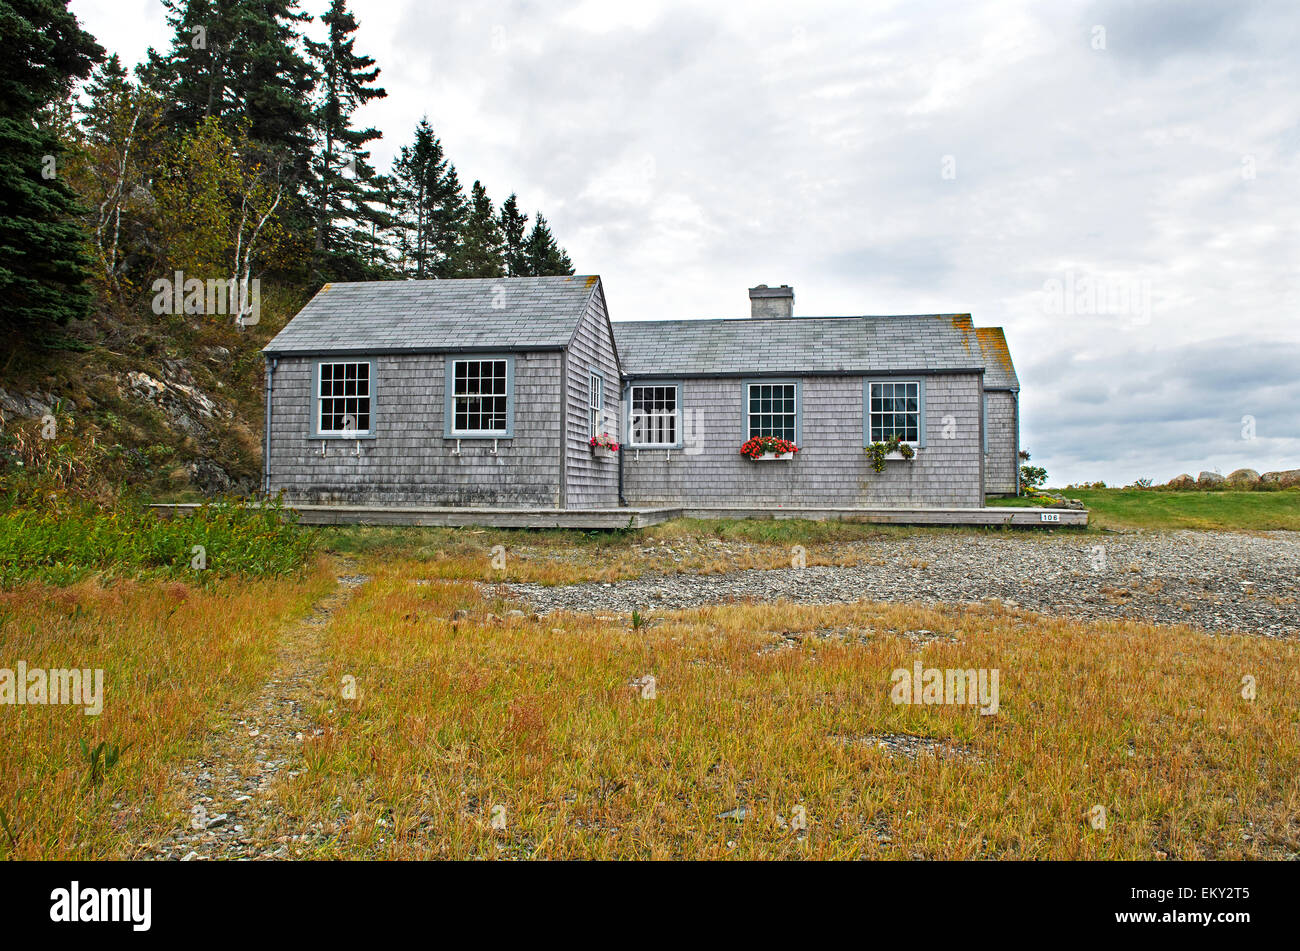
1226 510
60 544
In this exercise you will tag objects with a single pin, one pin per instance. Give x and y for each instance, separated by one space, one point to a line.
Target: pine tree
449 212
542 256
42 263
430 207
513 225
107 88
238 61
122 146
272 83
481 250
345 192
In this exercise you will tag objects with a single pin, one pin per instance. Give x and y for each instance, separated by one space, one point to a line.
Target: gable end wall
591 482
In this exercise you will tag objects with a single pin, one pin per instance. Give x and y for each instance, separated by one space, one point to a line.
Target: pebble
1217 581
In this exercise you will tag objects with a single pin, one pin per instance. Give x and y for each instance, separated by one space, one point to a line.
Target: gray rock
1209 478
1243 476
1183 481
1163 574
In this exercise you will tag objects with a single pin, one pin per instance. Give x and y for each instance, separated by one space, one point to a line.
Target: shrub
1031 477
59 543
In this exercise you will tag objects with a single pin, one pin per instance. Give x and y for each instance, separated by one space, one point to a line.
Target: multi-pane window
479 397
653 420
343 401
595 404
772 410
895 411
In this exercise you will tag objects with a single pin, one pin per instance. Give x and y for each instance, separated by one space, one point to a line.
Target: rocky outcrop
1209 478
177 396
1283 477
1243 476
32 405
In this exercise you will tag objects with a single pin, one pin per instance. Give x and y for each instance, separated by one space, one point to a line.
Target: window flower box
878 453
603 446
768 449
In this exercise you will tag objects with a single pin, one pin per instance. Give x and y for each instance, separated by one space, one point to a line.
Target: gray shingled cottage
487 393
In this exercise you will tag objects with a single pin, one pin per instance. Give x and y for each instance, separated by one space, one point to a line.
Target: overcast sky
1115 183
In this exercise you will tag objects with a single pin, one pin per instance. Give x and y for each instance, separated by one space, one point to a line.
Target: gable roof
999 371
367 317
780 345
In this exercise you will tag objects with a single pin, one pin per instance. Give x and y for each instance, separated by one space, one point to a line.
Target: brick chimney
767 301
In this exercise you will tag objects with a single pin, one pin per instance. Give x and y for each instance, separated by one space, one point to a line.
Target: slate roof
365 317
767 345
999 371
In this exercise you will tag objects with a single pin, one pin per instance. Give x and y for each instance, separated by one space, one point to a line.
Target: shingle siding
830 469
408 461
591 482
1001 462
556 330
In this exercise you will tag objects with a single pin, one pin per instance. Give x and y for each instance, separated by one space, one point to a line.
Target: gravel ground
1217 581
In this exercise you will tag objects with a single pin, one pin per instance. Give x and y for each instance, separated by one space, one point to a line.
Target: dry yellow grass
173 656
768 707
456 717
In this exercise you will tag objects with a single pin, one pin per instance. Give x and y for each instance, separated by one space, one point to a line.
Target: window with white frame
480 393
896 411
653 418
772 410
343 398
595 404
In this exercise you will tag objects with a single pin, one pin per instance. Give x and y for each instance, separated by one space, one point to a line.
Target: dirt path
230 816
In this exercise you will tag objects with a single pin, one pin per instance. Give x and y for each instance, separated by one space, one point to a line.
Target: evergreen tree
272 82
430 207
542 256
122 147
108 87
42 263
481 250
238 60
513 225
344 188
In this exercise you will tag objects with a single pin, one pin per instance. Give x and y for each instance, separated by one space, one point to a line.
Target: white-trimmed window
480 397
773 410
654 418
595 403
895 409
343 398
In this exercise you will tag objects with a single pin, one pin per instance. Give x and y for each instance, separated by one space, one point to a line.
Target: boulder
1209 478
1284 477
1183 481
1243 476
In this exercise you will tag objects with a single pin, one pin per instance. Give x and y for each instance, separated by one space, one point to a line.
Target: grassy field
464 715
1126 509
175 656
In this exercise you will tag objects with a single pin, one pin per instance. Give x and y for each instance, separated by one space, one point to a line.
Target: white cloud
687 151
